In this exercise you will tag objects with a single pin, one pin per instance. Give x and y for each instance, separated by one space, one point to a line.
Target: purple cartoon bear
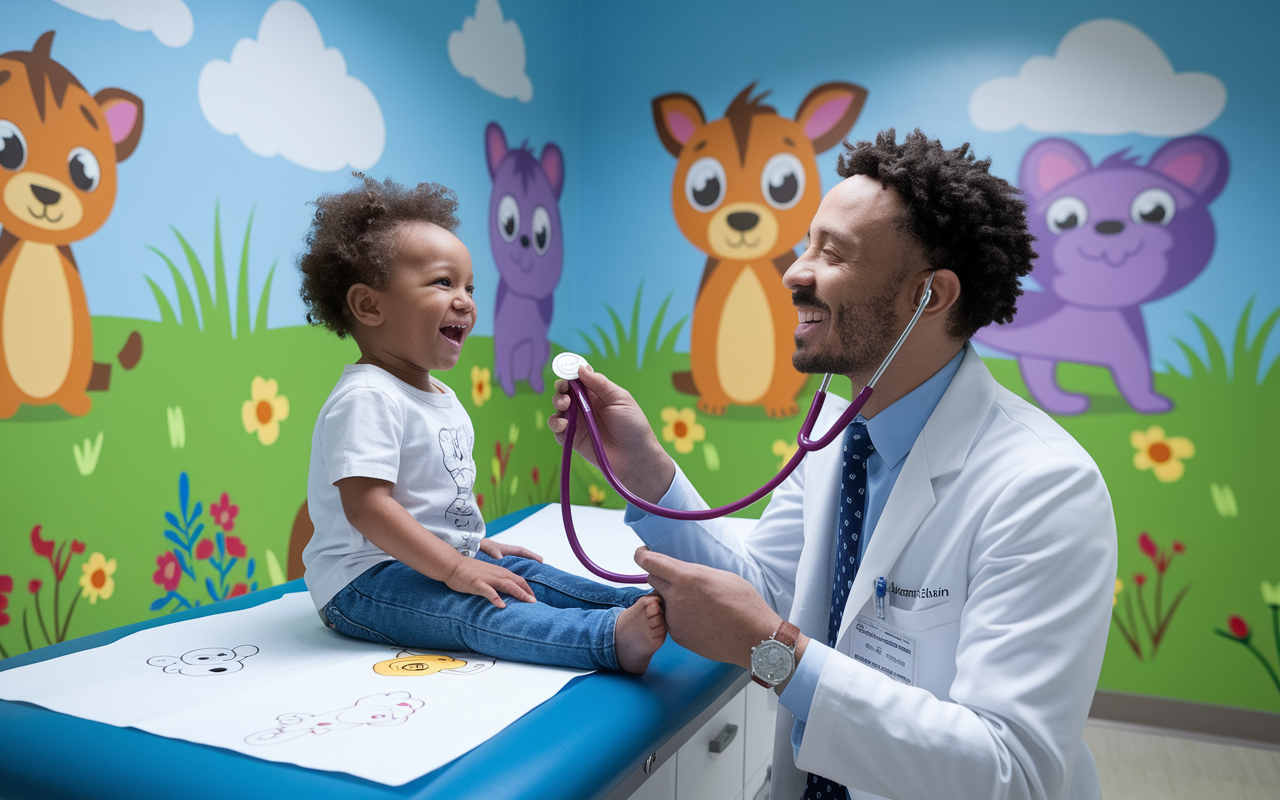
1110 238
524 234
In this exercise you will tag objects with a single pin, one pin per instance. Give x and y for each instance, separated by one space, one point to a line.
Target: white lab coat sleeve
1031 638
767 558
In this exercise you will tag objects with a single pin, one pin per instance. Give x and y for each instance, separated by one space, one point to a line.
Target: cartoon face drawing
392 708
205 661
408 663
455 445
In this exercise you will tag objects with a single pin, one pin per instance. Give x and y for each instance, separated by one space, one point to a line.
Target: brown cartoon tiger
746 187
59 147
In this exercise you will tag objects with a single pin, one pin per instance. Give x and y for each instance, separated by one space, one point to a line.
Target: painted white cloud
169 20
490 50
1107 78
287 94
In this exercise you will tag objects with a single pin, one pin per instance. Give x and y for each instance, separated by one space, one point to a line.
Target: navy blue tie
849 519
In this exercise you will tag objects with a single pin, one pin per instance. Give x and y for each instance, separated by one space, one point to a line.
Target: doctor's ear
944 292
364 305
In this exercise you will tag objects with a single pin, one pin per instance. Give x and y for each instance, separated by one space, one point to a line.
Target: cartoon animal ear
676 117
246 650
495 146
553 165
1197 162
162 661
828 112
1050 163
123 111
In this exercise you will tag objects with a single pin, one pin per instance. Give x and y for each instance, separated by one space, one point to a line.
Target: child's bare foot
639 632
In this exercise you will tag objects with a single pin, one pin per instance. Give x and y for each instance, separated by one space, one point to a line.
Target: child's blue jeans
571 625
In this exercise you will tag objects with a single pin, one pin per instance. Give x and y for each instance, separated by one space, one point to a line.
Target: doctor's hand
714 613
635 454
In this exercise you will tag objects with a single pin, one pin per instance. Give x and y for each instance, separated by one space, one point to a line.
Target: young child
399 554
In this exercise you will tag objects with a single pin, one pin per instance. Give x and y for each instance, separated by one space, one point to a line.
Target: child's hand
493 549
488 581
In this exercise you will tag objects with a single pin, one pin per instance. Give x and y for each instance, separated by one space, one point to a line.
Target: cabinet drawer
705 775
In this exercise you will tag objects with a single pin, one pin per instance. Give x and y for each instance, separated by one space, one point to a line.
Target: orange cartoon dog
58 152
745 189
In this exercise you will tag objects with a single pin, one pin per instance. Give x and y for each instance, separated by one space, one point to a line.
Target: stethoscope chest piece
566 365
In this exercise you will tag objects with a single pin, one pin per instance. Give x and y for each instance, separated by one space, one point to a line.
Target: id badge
884 650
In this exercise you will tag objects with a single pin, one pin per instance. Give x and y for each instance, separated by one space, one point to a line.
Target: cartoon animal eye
541 230
84 169
704 184
13 146
508 217
783 181
1153 205
1066 213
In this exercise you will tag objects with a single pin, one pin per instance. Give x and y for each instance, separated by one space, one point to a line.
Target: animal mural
392 708
525 236
205 661
1109 239
59 147
746 187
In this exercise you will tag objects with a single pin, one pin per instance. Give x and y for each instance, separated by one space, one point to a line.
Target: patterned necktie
849 517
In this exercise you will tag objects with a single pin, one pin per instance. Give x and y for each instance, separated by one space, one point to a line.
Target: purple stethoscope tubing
803 441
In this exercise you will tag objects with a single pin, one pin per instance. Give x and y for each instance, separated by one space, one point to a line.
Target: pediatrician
930 595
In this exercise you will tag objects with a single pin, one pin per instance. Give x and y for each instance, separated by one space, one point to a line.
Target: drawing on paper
392 708
205 661
408 663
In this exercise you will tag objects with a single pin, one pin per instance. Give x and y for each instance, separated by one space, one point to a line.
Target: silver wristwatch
774 659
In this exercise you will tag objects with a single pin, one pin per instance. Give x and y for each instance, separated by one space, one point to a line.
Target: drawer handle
721 742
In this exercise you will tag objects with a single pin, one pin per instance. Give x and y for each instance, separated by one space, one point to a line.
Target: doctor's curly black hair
352 238
966 219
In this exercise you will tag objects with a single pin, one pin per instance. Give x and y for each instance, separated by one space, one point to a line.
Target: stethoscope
566 365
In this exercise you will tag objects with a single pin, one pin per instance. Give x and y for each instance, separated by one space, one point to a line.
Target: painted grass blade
166 310
260 325
208 309
185 303
220 274
242 285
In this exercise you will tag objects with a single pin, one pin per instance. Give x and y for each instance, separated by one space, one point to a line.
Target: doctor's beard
865 332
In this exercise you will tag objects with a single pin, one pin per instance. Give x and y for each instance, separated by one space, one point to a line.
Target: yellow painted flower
1271 594
682 428
1115 598
784 449
481 386
263 413
1160 454
595 494
95 580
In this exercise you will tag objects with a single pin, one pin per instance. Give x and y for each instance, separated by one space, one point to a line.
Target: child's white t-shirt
375 425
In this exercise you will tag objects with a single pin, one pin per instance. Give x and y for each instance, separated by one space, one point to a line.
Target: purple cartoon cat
1109 238
524 234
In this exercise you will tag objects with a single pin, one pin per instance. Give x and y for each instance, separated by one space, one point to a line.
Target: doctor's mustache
806 296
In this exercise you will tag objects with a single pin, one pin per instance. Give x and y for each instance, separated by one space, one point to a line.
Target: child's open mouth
454 333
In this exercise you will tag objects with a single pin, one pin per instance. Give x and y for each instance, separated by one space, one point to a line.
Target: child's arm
372 510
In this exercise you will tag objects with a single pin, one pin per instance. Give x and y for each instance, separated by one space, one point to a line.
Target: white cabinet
706 775
762 712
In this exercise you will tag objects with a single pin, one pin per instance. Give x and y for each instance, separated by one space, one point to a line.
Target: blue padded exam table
579 744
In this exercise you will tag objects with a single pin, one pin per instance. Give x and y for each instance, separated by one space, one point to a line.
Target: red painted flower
43 547
1140 579
204 549
1148 546
480 501
239 589
535 474
1239 628
6 584
236 547
1179 548
224 513
35 585
169 573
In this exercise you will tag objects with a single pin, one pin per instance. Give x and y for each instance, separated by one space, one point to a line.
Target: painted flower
6 586
1271 594
224 513
34 585
43 547
682 428
1160 454
1239 628
481 386
1178 547
168 573
480 501
236 547
204 549
785 450
267 408
1147 545
95 578
1115 598
595 494
238 590
1140 579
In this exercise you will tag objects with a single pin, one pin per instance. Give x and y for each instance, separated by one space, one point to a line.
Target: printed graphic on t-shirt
456 444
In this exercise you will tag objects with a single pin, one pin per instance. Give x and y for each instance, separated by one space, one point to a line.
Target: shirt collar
895 429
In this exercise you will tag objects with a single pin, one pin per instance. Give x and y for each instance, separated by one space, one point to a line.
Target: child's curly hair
966 219
352 238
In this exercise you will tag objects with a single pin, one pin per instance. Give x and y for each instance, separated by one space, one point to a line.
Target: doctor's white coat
1007 523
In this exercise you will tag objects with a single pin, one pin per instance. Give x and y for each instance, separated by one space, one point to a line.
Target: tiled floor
1137 763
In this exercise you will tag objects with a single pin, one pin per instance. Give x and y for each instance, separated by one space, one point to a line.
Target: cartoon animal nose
743 220
524 241
46 196
1109 227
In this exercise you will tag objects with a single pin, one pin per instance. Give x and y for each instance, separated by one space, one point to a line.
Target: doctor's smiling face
853 285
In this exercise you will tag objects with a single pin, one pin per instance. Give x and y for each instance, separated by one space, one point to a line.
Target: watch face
772 661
